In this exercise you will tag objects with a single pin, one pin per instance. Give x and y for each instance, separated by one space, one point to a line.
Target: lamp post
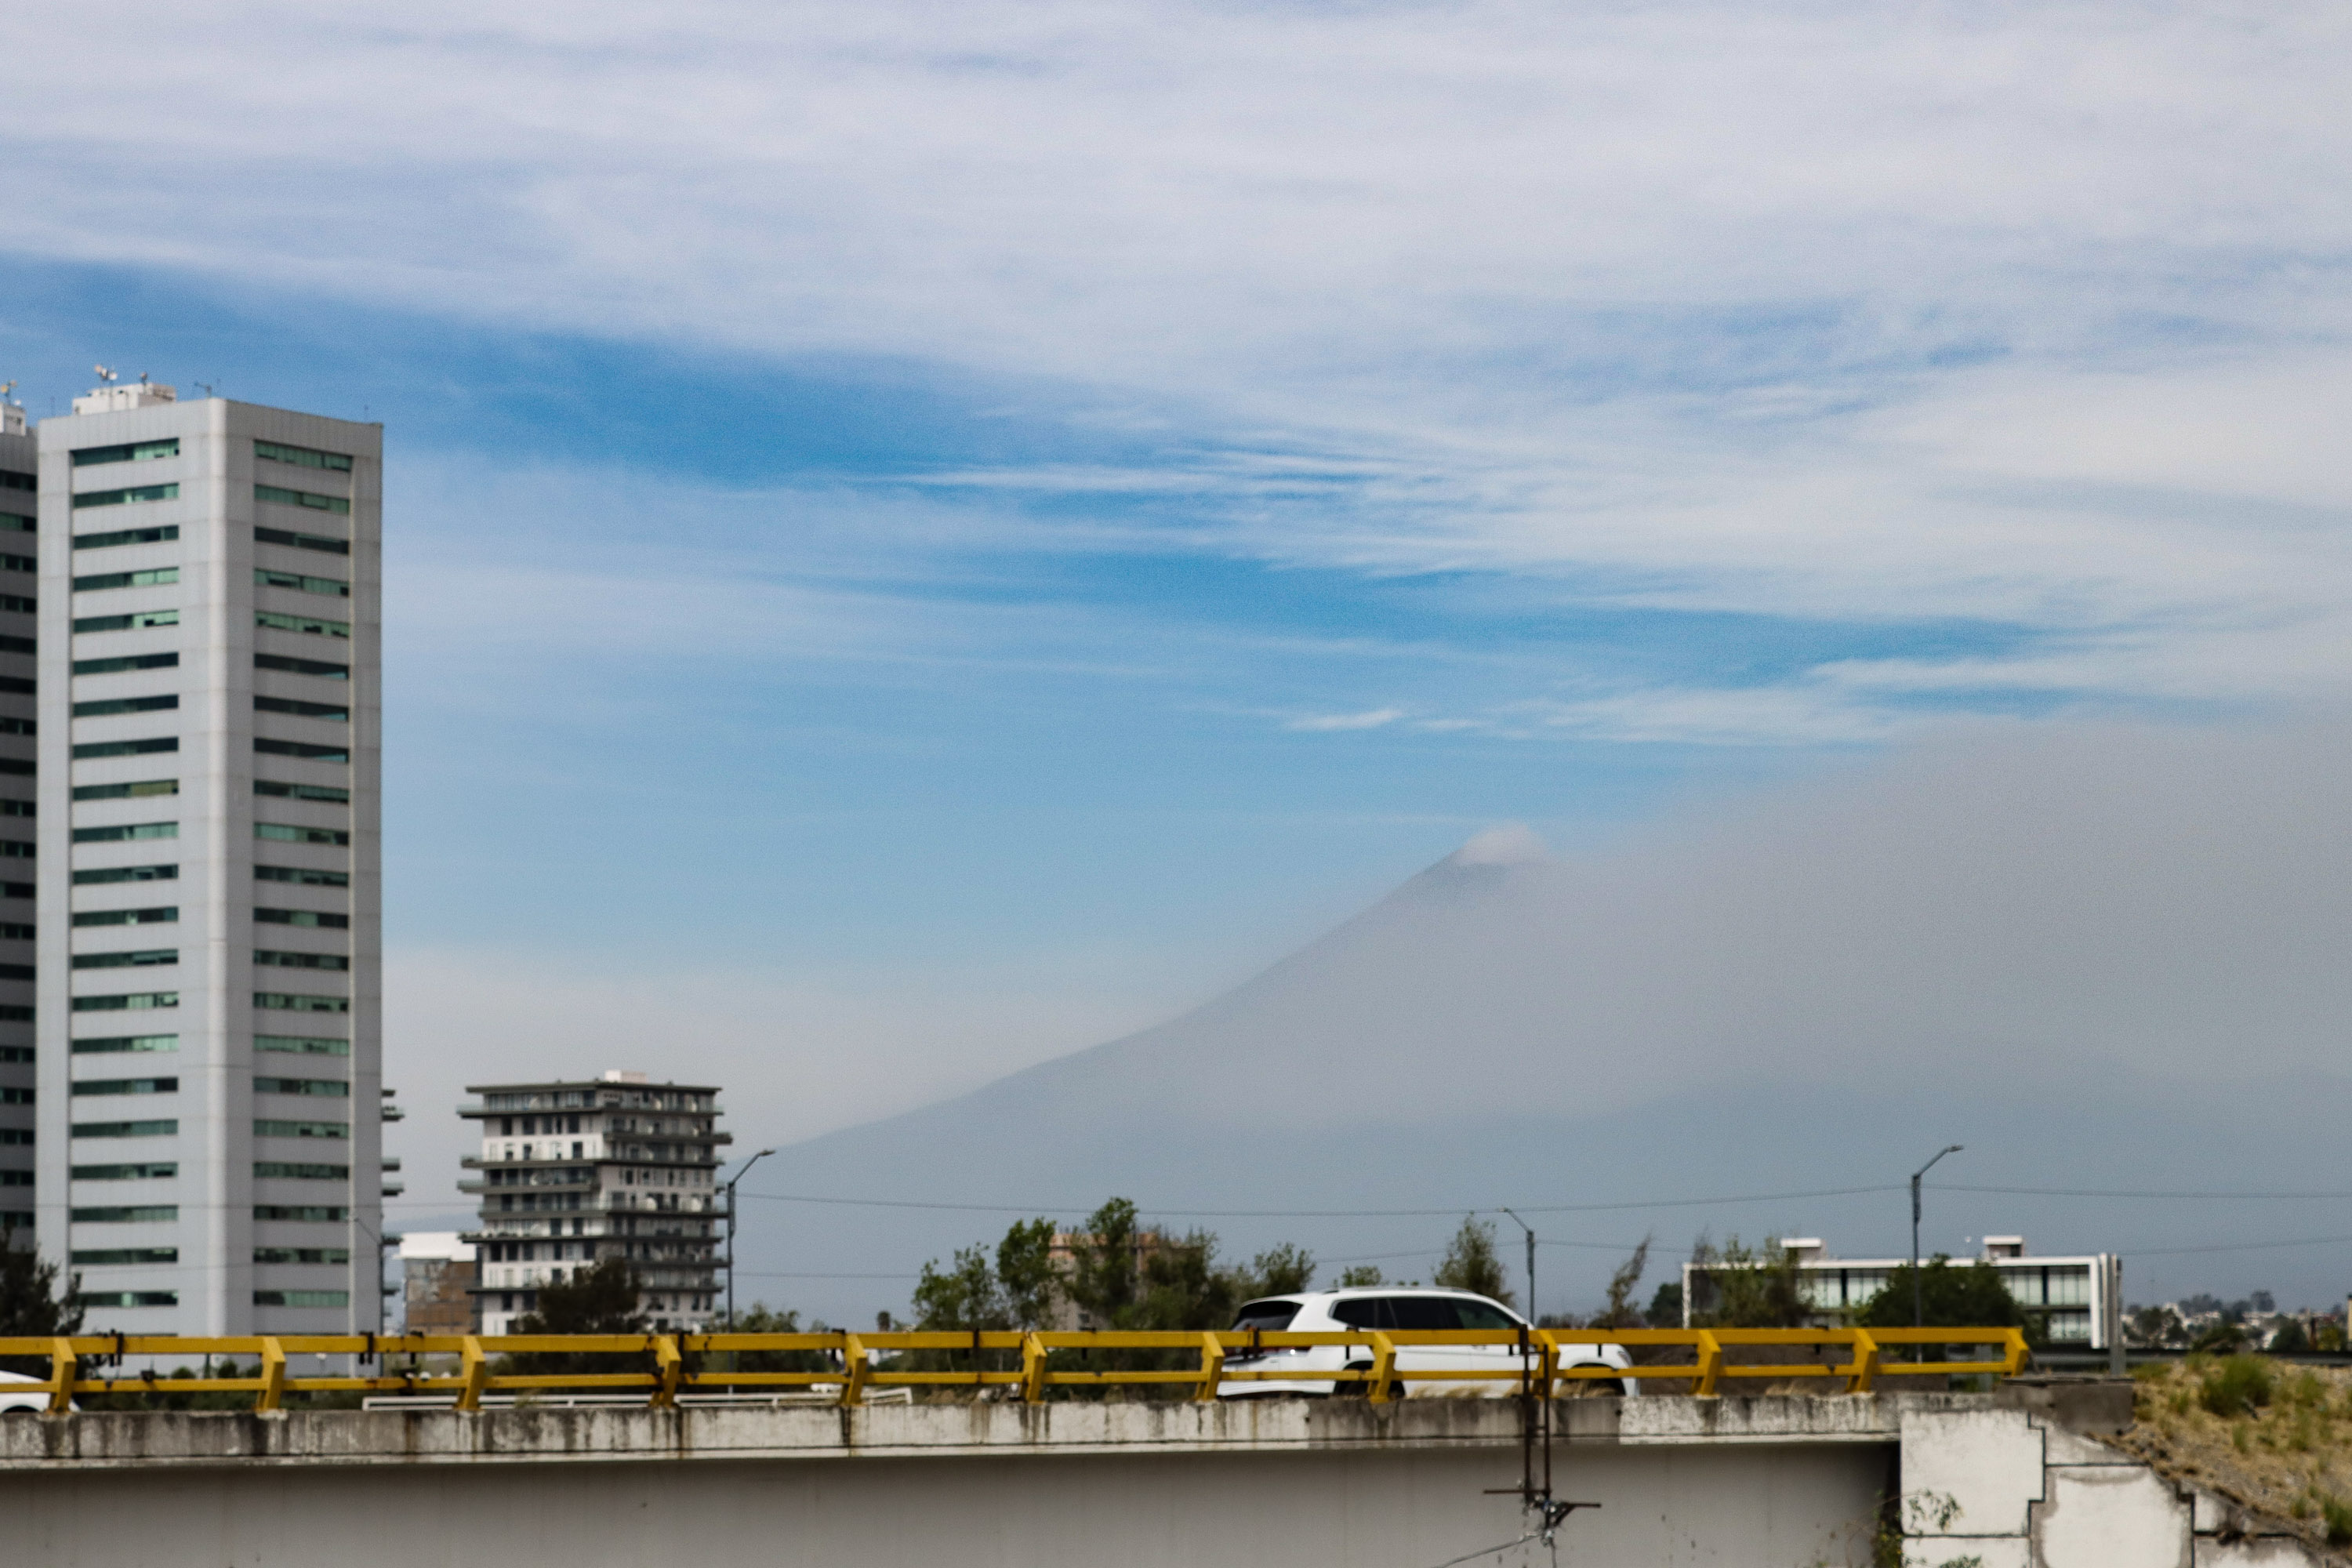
1918 1297
730 1230
1531 1262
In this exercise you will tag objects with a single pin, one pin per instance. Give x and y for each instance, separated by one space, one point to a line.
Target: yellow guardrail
1538 1359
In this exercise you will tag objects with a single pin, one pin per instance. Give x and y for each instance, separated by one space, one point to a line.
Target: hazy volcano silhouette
2110 958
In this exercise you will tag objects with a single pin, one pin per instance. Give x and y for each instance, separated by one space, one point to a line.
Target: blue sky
920 537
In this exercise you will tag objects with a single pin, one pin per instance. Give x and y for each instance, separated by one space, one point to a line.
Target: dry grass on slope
2271 1435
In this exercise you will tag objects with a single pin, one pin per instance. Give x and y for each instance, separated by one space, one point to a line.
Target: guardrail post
63 1364
858 1364
1033 1370
1866 1362
1546 1369
1710 1365
273 1376
477 1369
2014 1360
1213 1367
668 1366
1384 1368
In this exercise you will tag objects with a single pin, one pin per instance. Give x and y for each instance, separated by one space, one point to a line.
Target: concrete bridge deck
1772 1482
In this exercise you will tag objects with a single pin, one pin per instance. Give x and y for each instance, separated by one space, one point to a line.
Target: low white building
2076 1298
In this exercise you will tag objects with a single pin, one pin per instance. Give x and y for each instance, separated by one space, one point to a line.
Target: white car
14 1400
1384 1307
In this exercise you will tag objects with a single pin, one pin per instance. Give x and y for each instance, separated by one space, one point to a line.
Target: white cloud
1376 718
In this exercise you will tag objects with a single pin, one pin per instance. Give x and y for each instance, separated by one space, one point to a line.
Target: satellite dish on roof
103 374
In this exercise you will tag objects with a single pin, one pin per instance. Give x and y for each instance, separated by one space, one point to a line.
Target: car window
1484 1315
1270 1316
1364 1312
1425 1312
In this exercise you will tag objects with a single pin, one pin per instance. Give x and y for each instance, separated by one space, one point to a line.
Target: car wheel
1354 1390
1591 1387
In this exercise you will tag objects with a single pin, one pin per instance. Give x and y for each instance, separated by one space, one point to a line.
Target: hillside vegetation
2272 1436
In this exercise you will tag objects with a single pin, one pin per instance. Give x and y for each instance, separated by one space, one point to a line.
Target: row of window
144 620
132 495
149 1001
263 1170
163 534
161 745
169 447
172 1298
329 1088
167 701
297 1045
161 576
116 666
299 875
119 1255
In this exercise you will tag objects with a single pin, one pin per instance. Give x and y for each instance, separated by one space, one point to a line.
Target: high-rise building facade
575 1171
19 481
209 1031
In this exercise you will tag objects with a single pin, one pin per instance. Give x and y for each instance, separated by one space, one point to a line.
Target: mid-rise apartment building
577 1171
19 571
2076 1300
207 1024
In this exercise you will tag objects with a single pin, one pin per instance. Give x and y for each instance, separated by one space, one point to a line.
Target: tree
2289 1339
965 1297
1025 1273
1666 1306
1618 1311
600 1298
31 1304
1361 1277
1472 1263
1949 1296
1744 1288
1106 1281
1279 1270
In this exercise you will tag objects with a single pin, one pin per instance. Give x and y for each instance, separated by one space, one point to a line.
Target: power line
1321 1213
2241 1247
2113 1193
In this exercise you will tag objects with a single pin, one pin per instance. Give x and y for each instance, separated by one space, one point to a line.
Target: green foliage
599 1299
1743 1288
2239 1386
1950 1296
1618 1311
2227 1337
2337 1516
762 1319
32 1302
2290 1339
1281 1270
1472 1263
1362 1276
1666 1306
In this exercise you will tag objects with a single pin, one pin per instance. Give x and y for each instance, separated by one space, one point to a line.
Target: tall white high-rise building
207 1030
19 466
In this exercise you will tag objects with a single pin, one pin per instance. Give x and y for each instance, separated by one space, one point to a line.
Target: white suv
1325 1310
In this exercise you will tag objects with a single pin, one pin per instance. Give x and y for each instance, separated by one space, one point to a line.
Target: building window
107 1045
163 1129
161 915
140 621
141 790
117 1257
306 1213
284 496
18 563
127 748
301 457
286 834
334 712
272 1129
129 661
127 874
302 1044
123 833
330 793
129 1214
126 1086
149 1170
310 624
295 960
302 876
301 541
303 918
301 1255
107 706
19 603
297 1171
330 1088
301 1297
132 452
132 1002
128 497
126 1298
12 480
153 577
263 577
284 1002
150 958
307 751
318 667
17 521
127 536
18 809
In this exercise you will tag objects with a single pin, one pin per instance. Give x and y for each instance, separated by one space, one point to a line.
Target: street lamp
731 1231
1918 1299
1531 1262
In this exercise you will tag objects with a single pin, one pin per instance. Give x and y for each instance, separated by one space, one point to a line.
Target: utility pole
731 1231
1531 1262
1918 1297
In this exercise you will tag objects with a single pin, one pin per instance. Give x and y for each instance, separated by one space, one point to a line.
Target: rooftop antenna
7 387
104 373
142 378
211 388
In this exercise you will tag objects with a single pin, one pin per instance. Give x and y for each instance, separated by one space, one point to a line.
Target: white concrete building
208 1033
2077 1300
19 469
577 1171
